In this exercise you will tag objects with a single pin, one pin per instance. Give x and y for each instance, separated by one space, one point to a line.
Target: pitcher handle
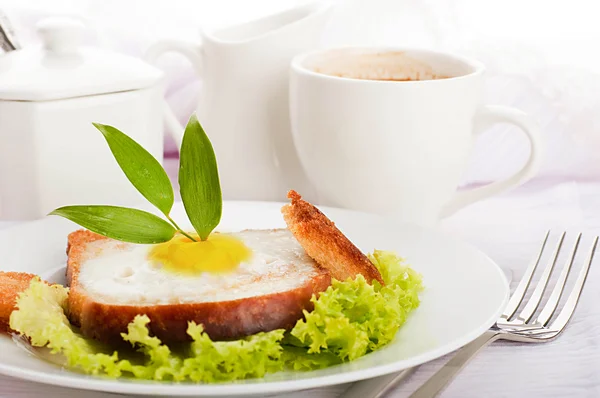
485 117
193 53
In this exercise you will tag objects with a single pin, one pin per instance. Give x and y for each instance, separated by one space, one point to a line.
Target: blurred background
541 56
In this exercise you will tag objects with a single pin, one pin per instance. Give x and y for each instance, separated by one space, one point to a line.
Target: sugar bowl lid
63 68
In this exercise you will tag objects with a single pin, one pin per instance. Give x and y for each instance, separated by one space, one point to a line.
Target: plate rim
123 386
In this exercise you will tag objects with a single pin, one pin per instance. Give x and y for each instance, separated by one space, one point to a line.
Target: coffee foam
389 65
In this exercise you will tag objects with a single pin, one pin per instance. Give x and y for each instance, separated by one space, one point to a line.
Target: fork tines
541 324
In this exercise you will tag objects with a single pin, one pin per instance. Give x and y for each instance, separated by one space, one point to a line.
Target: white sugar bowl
50 153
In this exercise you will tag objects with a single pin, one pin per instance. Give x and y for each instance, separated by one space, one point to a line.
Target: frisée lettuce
350 319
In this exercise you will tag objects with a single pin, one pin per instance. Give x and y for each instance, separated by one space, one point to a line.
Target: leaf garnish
199 184
141 168
121 223
199 179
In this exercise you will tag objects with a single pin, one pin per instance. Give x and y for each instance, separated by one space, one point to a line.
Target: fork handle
440 380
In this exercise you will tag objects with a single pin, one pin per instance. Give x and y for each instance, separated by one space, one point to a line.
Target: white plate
465 293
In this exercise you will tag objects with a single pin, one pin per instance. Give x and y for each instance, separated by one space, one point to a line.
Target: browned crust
325 243
76 243
221 320
11 284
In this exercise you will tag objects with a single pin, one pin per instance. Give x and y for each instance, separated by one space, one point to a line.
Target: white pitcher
243 105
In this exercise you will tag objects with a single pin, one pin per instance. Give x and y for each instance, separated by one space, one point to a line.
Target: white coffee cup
372 143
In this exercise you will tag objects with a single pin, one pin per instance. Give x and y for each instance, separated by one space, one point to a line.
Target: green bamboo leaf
121 223
140 167
199 179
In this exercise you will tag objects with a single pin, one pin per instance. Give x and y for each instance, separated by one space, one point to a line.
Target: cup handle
193 54
485 117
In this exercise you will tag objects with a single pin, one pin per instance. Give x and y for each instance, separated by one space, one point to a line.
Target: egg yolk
219 253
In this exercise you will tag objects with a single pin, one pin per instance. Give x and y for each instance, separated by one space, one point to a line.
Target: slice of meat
325 243
111 282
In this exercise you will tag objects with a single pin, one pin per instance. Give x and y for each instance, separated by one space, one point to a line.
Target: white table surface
509 229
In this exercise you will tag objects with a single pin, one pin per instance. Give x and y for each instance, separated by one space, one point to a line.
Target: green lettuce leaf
41 317
350 319
396 273
253 356
298 358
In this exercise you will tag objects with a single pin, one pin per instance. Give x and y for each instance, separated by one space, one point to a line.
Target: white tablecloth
509 229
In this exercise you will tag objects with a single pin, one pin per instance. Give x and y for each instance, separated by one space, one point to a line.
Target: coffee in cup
382 65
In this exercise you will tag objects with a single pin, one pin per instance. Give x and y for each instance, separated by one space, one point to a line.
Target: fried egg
228 266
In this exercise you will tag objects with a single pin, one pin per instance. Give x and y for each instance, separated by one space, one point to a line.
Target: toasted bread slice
325 243
111 282
11 284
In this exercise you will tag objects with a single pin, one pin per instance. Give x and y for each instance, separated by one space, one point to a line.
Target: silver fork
521 328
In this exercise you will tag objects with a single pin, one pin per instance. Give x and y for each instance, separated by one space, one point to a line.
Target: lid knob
61 34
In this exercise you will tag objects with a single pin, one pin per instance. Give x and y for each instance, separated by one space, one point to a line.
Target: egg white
122 273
